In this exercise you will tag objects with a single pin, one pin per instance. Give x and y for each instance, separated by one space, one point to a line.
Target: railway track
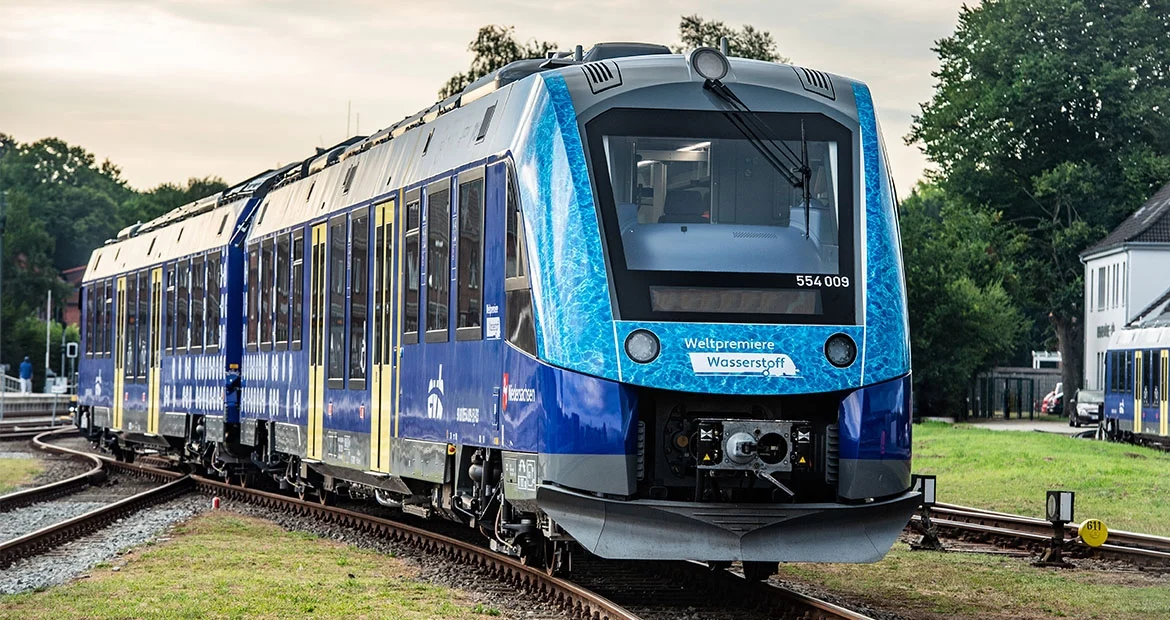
1027 532
17 432
571 596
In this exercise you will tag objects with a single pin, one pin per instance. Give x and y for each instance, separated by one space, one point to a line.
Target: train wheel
759 571
556 559
325 498
301 491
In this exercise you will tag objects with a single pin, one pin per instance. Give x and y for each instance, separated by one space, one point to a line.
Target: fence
1005 391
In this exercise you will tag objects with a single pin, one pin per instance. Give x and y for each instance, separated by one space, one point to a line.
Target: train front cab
1136 403
709 337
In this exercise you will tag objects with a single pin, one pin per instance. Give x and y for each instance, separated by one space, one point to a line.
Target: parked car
1090 407
1054 401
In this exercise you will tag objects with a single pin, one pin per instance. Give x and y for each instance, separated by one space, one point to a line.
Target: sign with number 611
1093 532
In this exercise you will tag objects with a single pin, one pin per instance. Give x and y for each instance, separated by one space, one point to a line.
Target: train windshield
691 207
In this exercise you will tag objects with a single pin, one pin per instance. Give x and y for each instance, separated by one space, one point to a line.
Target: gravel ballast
75 558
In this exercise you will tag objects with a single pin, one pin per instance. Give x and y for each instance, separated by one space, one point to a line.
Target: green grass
15 472
922 584
227 566
1127 487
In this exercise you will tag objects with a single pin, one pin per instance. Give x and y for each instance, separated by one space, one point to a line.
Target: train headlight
709 63
841 350
642 346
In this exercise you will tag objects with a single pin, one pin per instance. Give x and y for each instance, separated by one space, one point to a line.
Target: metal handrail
9 384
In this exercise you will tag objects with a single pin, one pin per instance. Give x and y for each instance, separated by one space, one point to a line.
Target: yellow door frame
382 373
317 263
119 395
154 378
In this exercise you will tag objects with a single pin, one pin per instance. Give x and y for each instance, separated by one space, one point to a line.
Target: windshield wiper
795 170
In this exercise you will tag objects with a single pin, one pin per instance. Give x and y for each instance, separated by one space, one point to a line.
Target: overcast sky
170 89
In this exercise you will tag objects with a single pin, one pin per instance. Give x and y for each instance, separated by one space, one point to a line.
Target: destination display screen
735 300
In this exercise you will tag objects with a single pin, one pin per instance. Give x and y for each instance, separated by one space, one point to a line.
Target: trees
61 205
74 198
694 31
959 267
1053 112
493 47
148 205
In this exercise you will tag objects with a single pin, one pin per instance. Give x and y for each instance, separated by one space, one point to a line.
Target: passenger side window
198 294
213 299
520 326
108 319
267 284
411 270
142 360
170 313
89 319
358 298
469 295
438 261
282 299
298 289
336 315
253 296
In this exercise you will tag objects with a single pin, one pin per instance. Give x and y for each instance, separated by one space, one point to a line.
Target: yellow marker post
1093 532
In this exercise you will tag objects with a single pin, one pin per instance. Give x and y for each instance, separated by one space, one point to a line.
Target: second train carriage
581 302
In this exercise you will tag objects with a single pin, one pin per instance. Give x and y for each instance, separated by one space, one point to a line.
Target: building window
469 295
336 346
358 299
438 261
411 270
1124 283
1100 288
298 289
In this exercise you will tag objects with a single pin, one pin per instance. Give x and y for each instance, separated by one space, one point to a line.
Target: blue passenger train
645 304
1137 365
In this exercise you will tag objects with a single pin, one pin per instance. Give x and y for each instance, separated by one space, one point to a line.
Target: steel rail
57 489
571 597
1021 531
785 600
1119 538
42 540
568 596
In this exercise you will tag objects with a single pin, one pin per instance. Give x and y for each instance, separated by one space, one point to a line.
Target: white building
1125 273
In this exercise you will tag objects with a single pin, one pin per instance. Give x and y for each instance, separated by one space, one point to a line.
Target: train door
382 373
154 372
1137 391
1163 427
316 343
119 395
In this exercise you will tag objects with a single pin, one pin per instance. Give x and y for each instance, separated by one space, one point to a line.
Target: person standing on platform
26 376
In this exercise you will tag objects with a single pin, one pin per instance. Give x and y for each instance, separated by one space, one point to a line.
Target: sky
173 89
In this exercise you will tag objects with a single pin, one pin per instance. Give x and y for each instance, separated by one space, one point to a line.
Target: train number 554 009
823 281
